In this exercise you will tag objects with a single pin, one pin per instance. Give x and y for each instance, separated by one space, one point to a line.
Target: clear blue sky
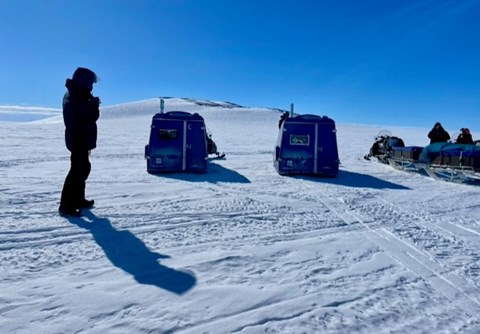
370 61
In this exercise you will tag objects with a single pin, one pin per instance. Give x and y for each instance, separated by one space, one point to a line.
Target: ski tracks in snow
403 239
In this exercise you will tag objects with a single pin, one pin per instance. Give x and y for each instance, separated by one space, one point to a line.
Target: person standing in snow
80 114
438 134
283 117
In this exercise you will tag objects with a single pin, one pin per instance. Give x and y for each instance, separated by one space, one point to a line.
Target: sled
448 173
457 174
405 158
404 165
458 163
217 156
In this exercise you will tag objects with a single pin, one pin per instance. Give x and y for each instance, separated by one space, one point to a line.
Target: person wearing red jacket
465 137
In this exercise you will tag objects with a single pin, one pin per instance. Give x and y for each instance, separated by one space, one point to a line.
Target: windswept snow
239 249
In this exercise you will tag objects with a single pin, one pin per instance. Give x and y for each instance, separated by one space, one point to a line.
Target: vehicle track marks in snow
452 286
455 229
439 239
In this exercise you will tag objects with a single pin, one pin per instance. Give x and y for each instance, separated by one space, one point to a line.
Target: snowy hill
25 113
239 249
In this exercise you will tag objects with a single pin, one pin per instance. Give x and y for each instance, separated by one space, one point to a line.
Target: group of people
438 135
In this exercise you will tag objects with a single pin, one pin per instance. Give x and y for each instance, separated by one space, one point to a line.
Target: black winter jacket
464 138
80 114
438 135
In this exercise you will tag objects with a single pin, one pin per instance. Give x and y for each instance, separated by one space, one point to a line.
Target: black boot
67 211
86 204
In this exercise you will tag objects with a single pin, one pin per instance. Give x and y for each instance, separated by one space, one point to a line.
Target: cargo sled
442 161
307 144
178 143
452 162
405 158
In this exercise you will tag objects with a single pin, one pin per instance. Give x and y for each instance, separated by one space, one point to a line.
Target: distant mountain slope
152 106
26 113
135 108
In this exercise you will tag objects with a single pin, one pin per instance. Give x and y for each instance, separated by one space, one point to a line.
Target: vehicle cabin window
303 140
168 133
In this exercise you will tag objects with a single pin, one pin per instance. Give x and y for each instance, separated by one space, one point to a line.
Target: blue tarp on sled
307 144
431 151
177 143
449 154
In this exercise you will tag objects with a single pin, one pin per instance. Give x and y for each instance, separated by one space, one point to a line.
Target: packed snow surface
239 249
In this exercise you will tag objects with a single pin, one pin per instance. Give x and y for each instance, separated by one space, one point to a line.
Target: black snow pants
73 191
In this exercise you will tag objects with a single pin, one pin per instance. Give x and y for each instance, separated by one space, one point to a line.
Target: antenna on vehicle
162 105
291 109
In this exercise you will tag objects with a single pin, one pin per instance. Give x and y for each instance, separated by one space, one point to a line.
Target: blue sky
371 61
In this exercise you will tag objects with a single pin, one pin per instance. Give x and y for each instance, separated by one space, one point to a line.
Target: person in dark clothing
80 114
465 137
438 134
211 146
283 117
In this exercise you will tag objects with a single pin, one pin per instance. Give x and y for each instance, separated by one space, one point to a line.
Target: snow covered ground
239 249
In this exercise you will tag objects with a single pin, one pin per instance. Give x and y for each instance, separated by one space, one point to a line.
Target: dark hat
84 75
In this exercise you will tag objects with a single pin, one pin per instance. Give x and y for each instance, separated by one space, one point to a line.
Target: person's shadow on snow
130 254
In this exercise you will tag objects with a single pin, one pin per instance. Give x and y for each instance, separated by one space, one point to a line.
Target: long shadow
356 180
215 173
130 254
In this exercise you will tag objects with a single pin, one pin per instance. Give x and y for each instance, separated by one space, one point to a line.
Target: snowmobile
383 145
212 150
